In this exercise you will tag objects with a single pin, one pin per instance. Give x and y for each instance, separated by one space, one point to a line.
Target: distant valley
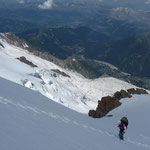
91 32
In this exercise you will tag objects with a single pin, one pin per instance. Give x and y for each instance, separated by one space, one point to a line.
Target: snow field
76 92
31 121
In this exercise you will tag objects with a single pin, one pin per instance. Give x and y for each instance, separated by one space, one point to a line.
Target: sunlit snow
76 92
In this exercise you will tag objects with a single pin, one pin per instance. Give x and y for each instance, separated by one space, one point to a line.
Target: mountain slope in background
131 54
117 21
64 42
83 42
61 85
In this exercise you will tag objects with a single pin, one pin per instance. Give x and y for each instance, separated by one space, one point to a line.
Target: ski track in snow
145 137
67 120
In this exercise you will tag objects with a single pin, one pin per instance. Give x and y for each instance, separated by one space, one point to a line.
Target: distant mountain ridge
72 43
132 54
84 42
64 42
116 21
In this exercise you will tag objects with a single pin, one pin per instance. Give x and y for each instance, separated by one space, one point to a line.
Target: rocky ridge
13 40
108 103
24 60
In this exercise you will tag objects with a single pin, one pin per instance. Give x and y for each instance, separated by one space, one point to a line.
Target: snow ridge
73 90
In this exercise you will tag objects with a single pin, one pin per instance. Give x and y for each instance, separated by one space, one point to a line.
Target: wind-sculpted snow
31 121
61 85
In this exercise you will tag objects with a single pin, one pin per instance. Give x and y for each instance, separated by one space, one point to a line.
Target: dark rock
125 94
24 60
12 39
50 83
99 113
117 95
106 104
92 113
37 75
122 94
132 91
141 91
54 75
2 45
109 115
60 72
137 91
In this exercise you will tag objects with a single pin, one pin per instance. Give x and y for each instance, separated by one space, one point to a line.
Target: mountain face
137 4
65 42
83 42
40 120
89 68
120 22
135 17
131 54
116 21
93 30
53 81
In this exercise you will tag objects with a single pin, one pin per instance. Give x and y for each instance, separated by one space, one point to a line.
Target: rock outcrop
121 94
137 91
105 105
108 103
132 91
141 91
60 72
12 39
1 45
24 60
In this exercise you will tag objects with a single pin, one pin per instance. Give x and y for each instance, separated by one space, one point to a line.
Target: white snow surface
76 92
30 121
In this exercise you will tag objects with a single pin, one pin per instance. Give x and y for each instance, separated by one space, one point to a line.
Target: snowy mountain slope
74 91
31 121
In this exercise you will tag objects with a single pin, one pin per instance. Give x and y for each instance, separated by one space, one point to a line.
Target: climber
122 126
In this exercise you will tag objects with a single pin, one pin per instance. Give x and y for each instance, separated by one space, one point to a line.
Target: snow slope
30 121
76 92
